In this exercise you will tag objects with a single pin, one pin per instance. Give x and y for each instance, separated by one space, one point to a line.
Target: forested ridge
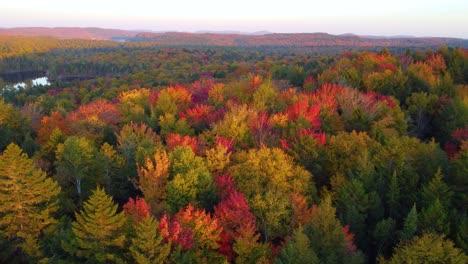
138 153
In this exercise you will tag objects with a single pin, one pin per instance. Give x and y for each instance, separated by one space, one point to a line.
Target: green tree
191 181
148 246
75 166
325 231
27 200
268 177
428 248
298 250
410 225
98 229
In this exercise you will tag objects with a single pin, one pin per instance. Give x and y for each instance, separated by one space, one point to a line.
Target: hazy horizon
362 17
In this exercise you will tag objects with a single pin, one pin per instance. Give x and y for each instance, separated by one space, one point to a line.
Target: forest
142 153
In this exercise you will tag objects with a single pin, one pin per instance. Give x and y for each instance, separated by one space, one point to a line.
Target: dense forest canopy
142 153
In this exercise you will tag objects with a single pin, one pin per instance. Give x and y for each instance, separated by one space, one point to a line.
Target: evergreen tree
429 248
98 228
436 189
27 200
148 246
411 224
435 218
298 250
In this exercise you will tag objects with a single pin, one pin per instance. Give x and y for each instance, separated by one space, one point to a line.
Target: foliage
28 200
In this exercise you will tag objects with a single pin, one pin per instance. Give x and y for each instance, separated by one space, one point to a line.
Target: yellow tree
152 181
98 229
27 200
268 177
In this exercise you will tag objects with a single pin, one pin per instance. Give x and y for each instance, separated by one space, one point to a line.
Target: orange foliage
152 180
49 124
137 208
175 139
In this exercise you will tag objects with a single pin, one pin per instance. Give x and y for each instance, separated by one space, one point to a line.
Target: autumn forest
229 150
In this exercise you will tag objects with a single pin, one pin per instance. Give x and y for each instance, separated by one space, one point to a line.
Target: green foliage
190 181
27 200
98 229
76 166
410 226
147 246
326 234
428 248
268 177
298 250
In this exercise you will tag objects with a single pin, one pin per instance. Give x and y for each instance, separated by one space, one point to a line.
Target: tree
28 198
152 181
428 248
75 165
148 246
298 250
191 181
98 229
410 225
268 177
194 230
328 238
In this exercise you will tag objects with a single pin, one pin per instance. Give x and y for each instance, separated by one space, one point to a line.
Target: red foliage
137 208
320 137
100 111
460 134
234 215
387 66
153 97
451 150
224 185
172 231
350 247
175 139
301 109
191 227
199 114
325 97
261 128
200 90
228 144
459 137
285 144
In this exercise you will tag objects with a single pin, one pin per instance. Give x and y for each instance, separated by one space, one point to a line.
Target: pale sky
439 18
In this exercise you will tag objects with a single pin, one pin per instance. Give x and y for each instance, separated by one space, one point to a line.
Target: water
38 81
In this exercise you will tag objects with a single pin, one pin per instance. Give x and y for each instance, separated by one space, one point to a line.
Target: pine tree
98 228
393 196
436 189
27 200
435 218
148 246
298 250
411 225
429 248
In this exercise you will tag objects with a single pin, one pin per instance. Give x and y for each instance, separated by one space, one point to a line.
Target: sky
437 18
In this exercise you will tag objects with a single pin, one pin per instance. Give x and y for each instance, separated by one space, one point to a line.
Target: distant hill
234 38
70 32
293 40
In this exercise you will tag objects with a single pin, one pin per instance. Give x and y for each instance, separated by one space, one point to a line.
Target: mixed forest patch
140 153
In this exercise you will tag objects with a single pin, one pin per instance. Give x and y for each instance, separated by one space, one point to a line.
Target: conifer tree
298 250
428 248
148 246
27 200
410 225
98 228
